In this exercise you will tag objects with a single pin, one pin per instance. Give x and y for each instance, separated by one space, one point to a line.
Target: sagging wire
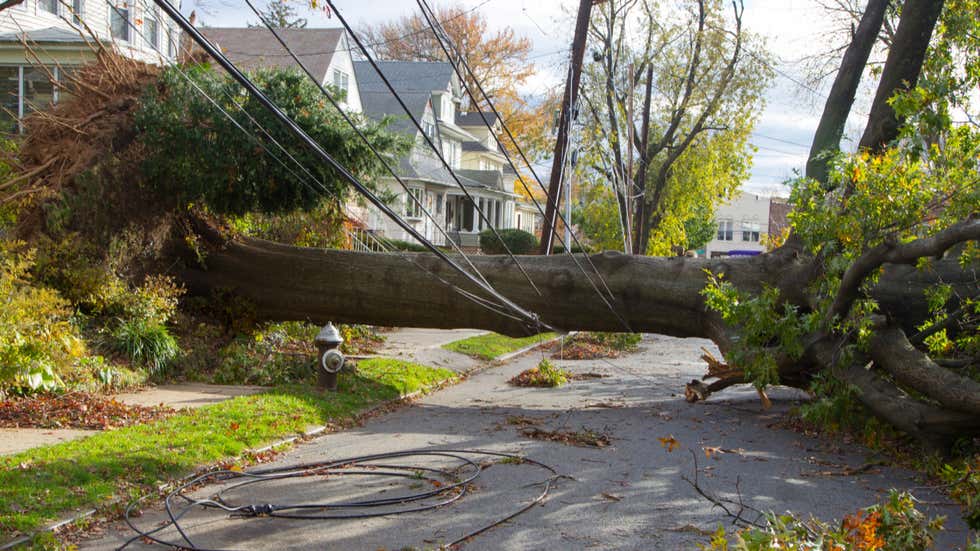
476 207
485 303
325 157
442 37
363 138
448 485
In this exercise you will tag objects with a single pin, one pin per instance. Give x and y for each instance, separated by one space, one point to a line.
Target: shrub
546 374
518 241
195 154
895 525
276 354
37 334
146 342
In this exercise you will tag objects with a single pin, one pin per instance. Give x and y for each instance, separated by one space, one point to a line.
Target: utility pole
567 106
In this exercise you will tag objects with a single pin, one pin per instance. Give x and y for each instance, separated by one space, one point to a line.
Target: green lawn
492 345
45 484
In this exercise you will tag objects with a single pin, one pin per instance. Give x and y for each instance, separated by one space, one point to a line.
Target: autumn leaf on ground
669 442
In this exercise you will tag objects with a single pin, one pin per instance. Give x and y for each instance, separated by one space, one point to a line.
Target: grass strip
44 484
492 345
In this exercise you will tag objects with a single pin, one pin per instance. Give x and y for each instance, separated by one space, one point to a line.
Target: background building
743 222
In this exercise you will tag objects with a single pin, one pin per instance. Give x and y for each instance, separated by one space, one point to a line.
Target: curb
511 355
308 434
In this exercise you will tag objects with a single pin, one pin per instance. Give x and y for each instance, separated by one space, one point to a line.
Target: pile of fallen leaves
76 410
591 346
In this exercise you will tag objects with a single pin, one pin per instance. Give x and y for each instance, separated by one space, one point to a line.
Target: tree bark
891 350
902 68
657 295
826 140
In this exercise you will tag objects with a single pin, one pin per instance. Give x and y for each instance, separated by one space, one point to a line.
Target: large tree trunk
658 295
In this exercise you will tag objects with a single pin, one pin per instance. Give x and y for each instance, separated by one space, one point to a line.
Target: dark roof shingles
255 48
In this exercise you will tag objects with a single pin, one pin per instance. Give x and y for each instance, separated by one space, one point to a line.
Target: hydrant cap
328 336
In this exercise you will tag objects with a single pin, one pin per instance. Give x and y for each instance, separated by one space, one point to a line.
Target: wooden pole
567 105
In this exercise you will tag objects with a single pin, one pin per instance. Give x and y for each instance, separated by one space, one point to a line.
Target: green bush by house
518 241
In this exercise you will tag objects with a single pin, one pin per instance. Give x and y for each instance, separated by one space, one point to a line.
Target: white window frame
42 6
345 77
21 89
116 11
78 11
150 14
172 44
751 231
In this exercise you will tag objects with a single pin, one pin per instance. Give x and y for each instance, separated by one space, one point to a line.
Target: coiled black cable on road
447 485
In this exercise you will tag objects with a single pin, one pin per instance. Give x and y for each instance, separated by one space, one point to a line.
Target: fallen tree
877 286
841 297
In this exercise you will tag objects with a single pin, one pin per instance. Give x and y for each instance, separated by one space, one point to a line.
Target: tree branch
890 252
826 139
891 350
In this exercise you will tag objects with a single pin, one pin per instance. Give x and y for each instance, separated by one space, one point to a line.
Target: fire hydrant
330 360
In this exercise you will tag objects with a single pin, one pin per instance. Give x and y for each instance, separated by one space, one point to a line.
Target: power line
381 245
364 138
783 140
432 145
443 38
325 157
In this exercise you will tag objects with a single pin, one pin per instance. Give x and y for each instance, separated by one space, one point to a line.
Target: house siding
29 16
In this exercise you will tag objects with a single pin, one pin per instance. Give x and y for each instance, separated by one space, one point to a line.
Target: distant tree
700 228
695 84
499 61
281 15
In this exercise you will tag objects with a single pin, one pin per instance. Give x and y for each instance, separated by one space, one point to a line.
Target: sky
791 28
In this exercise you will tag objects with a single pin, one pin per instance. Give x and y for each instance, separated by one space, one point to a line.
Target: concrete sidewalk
418 345
629 495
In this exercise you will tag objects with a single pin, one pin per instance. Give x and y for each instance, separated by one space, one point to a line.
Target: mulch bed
75 411
584 346
585 438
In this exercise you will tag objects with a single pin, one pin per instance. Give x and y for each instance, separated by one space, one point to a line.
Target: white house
432 93
55 33
325 52
741 224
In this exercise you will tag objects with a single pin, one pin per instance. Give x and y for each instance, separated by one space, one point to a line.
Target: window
413 203
119 23
50 6
726 230
9 98
171 45
429 129
25 89
439 203
151 29
77 12
750 231
38 90
341 81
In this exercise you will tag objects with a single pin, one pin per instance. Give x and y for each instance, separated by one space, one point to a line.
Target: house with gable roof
432 93
325 52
